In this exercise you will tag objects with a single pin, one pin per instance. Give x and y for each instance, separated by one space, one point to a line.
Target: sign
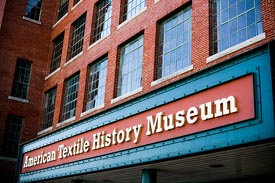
222 105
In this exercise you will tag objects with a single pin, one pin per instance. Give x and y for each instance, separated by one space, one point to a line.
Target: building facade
25 35
142 91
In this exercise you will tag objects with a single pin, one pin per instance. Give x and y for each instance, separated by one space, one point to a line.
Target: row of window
174 54
101 27
175 50
102 23
129 9
14 123
94 96
233 21
174 45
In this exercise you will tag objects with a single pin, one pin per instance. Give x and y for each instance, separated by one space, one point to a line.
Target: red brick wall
2 8
146 22
21 38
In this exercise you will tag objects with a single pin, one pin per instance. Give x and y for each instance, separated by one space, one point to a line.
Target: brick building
25 39
138 90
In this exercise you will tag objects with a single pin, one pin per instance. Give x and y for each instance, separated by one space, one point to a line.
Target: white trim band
236 47
126 95
66 121
186 69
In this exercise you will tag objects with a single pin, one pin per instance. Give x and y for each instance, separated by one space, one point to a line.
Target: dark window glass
63 8
33 9
57 52
21 79
49 108
12 136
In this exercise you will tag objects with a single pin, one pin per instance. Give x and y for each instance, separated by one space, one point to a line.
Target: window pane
232 11
175 53
242 35
251 17
233 26
225 30
130 62
241 7
251 31
242 21
234 39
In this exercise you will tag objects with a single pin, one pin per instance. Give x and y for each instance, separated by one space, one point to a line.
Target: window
21 79
49 108
96 84
235 21
132 7
175 39
102 19
57 52
63 8
77 35
33 9
130 68
70 97
12 136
